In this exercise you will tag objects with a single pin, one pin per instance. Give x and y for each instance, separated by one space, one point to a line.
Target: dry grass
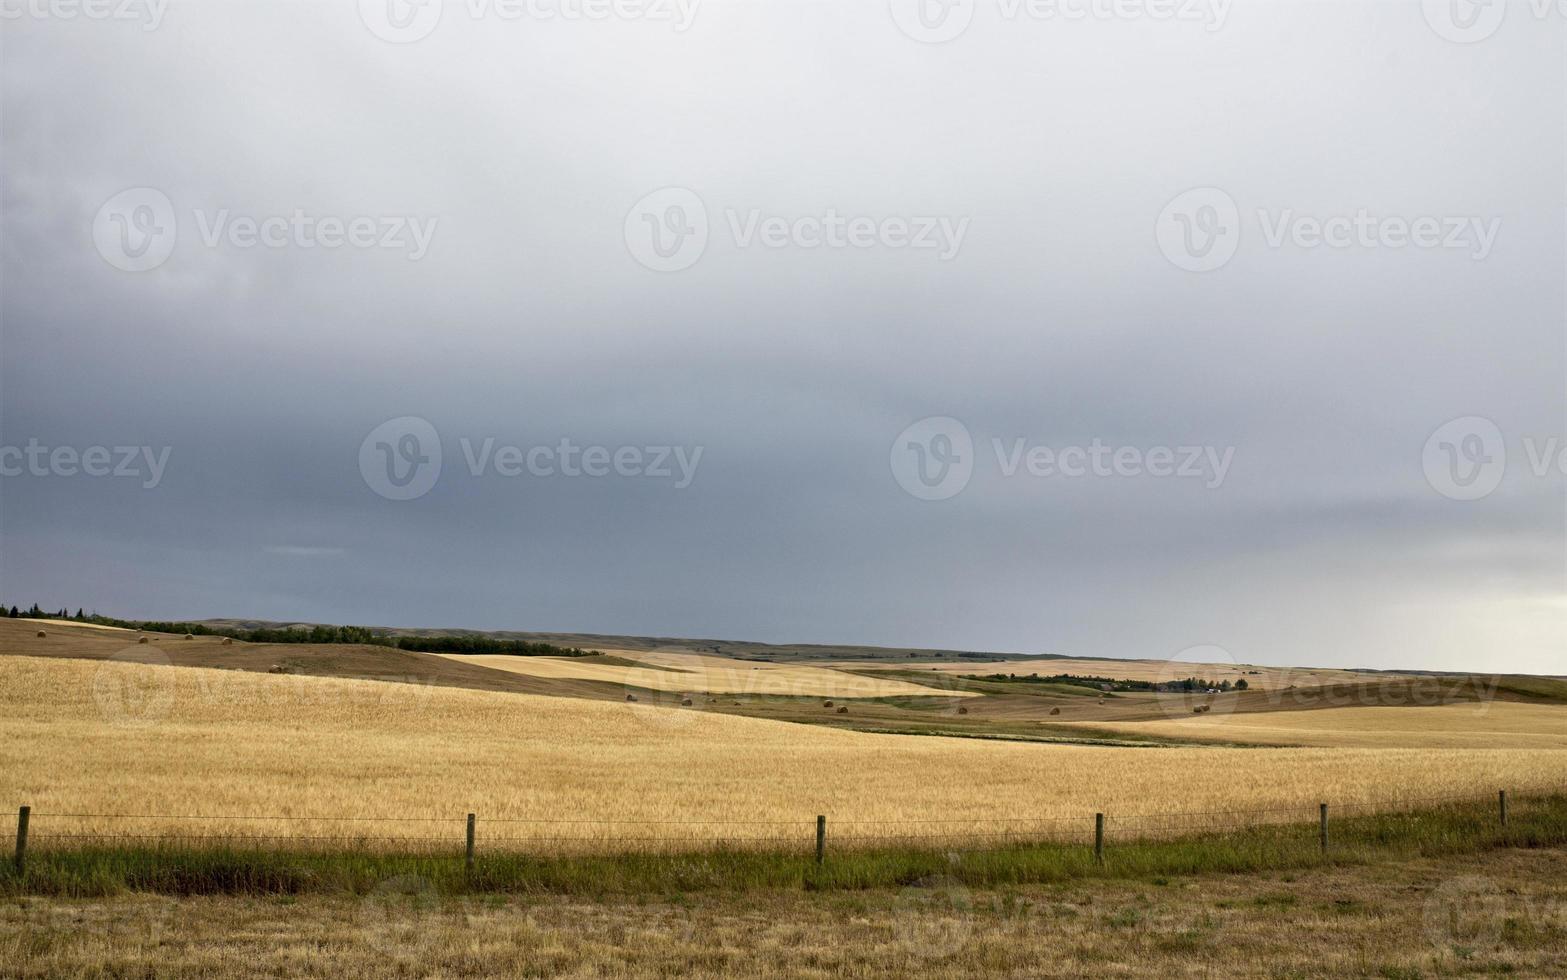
122 738
1478 725
1495 913
690 673
74 624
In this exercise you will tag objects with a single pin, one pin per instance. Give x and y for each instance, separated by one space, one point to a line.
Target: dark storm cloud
521 147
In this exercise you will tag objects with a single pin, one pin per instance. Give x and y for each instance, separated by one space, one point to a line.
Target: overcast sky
1283 283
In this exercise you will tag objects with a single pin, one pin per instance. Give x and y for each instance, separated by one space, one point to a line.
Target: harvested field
689 673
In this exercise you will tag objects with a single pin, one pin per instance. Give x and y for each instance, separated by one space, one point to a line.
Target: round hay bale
685 702
631 697
962 710
42 634
190 636
1055 711
228 641
827 704
141 639
843 710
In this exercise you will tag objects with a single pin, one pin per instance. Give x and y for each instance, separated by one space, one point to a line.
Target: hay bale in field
1055 711
141 639
962 710
827 704
190 636
631 697
42 634
685 702
843 710
228 641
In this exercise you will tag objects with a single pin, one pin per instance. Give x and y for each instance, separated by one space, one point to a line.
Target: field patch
1478 724
677 673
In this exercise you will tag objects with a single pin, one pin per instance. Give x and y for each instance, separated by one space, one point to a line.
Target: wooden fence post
472 818
1322 813
1501 799
22 817
1099 838
821 837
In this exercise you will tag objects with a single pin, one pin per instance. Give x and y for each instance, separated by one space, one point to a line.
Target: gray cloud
1059 322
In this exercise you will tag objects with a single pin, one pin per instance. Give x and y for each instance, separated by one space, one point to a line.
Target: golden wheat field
677 673
1479 725
79 737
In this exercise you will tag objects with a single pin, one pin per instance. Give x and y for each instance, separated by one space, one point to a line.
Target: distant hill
737 649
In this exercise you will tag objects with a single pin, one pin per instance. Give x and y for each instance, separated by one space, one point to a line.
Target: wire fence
471 833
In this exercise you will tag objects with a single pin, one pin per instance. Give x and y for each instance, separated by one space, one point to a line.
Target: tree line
1183 685
464 644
